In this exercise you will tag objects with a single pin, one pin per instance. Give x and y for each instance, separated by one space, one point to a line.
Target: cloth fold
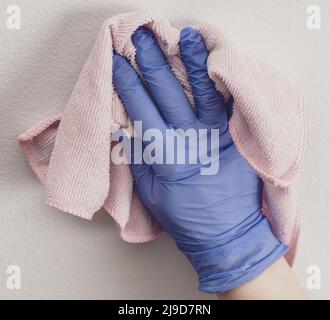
70 152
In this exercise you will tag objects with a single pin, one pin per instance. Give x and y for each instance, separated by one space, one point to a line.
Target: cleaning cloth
70 151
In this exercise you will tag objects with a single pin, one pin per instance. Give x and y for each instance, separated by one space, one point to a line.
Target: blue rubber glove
216 220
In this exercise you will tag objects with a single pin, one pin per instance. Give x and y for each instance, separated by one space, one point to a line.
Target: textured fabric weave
70 152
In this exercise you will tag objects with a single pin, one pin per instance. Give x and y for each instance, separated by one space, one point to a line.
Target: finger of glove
164 87
134 96
209 102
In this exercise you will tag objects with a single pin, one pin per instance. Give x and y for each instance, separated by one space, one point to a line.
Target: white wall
62 256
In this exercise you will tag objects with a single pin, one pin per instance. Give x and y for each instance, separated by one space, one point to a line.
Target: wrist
238 261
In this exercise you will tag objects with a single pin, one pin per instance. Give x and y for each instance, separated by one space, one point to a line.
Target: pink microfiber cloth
70 152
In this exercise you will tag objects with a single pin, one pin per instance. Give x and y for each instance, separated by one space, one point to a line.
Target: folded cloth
70 152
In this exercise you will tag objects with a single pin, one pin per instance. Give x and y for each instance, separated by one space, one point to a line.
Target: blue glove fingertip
189 36
143 36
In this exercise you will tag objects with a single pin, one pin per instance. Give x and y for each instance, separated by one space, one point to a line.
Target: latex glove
216 220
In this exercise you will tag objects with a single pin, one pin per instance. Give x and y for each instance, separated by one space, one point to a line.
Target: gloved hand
216 220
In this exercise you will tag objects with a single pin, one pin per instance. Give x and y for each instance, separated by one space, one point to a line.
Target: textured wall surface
62 256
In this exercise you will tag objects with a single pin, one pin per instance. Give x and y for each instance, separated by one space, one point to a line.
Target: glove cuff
238 261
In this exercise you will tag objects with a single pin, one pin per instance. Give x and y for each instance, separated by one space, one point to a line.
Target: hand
216 220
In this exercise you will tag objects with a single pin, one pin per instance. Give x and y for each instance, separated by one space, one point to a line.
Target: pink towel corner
70 152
